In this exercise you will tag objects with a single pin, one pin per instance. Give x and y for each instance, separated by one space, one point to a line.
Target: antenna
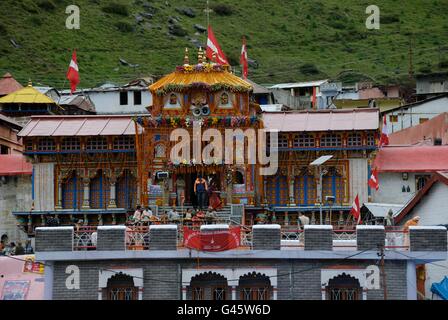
207 12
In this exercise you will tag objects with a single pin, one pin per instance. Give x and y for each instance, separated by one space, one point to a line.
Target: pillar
286 223
341 218
86 220
313 217
86 195
59 199
233 289
291 191
411 275
113 196
184 292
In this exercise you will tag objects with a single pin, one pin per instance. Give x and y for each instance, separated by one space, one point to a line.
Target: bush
308 69
389 19
2 29
443 64
35 20
46 5
223 10
124 26
177 30
116 8
29 6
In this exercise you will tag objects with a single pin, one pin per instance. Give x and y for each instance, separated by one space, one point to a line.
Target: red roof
46 126
323 120
8 85
412 159
14 164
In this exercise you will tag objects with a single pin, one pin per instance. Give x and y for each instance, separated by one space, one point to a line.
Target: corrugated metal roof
323 120
46 126
27 95
298 84
10 121
380 210
14 164
411 159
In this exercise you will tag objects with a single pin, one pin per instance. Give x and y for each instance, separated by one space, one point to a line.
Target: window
137 98
393 118
46 144
29 145
197 294
343 287
303 140
121 287
255 286
219 293
123 98
70 144
4 149
208 286
72 192
97 143
126 190
421 120
124 143
283 141
305 189
420 182
331 140
371 139
354 139
99 191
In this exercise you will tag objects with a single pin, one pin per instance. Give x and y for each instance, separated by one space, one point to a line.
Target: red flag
373 181
384 139
356 210
243 59
73 73
213 47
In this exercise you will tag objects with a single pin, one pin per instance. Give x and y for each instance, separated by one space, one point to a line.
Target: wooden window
97 143
219 293
99 191
421 120
371 139
283 141
255 293
121 287
343 287
72 192
4 149
137 98
197 293
331 140
420 181
70 144
303 140
29 145
46 144
393 118
255 286
123 98
354 140
126 191
305 190
124 143
277 190
333 185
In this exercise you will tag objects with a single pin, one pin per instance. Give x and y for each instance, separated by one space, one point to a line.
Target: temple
98 168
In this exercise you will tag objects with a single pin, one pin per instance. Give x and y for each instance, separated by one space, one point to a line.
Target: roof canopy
412 159
14 164
54 126
8 85
322 120
27 95
203 75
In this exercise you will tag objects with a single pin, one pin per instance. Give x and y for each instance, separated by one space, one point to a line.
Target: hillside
291 40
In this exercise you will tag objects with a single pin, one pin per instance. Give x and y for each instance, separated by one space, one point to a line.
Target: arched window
126 190
305 189
277 190
46 144
330 140
343 287
97 143
255 286
120 287
354 140
239 177
72 192
209 286
333 185
99 191
124 143
70 144
303 140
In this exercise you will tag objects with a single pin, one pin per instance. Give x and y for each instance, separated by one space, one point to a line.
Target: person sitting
20 250
146 215
173 215
164 217
136 218
52 221
28 247
200 214
211 215
188 214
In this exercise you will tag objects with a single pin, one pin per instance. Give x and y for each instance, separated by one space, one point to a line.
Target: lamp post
318 163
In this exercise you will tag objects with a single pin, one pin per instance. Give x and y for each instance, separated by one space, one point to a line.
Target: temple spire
186 57
200 56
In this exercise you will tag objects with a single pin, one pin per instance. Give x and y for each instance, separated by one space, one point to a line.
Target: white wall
433 210
391 184
109 102
358 180
411 116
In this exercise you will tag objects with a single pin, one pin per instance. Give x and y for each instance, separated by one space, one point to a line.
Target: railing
85 238
137 237
397 238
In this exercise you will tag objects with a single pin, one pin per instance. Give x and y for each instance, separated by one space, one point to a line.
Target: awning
380 210
441 288
51 126
323 120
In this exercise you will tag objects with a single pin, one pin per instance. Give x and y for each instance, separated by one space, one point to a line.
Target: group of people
203 191
13 249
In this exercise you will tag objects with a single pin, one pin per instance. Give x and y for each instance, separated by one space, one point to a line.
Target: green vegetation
290 40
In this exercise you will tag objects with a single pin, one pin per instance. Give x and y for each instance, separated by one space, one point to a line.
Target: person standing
410 223
200 189
20 250
389 223
303 220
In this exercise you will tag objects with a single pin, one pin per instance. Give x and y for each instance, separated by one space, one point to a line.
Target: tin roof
8 84
14 164
298 84
27 95
94 125
322 120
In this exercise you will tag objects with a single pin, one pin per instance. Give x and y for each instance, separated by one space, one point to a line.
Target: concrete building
412 114
264 270
10 143
431 85
300 95
15 194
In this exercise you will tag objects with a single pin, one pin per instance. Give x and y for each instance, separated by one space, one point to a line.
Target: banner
31 266
219 240
15 289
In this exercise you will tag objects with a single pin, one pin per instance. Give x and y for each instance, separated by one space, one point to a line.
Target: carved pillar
59 195
341 219
86 195
313 217
286 223
291 189
114 219
86 219
112 200
30 224
100 219
42 220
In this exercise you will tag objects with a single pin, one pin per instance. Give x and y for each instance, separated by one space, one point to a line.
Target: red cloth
215 241
373 181
356 210
73 73
384 139
213 47
243 59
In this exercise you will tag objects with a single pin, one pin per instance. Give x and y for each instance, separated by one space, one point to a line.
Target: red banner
219 240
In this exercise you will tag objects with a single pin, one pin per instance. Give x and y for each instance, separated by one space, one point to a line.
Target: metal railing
84 238
137 237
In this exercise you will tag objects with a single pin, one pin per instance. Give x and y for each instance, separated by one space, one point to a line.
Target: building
412 114
132 98
8 85
10 143
15 195
260 94
431 85
313 268
300 95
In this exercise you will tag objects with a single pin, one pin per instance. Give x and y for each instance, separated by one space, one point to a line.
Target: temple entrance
186 184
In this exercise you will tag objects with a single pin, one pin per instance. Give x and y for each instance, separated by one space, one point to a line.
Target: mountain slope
291 40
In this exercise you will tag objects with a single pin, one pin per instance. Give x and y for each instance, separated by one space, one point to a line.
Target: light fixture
404 175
